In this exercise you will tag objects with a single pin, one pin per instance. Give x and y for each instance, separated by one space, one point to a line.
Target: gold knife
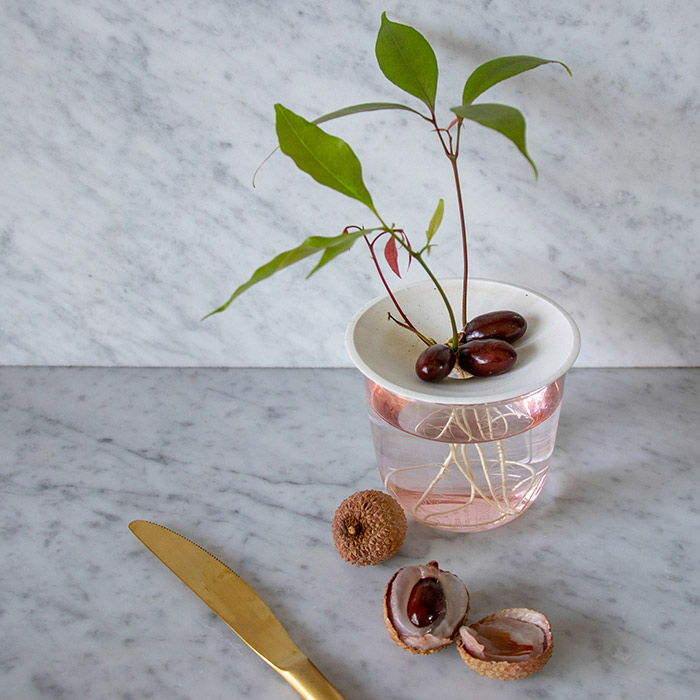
238 605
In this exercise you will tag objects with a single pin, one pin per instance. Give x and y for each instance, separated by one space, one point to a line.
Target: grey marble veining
131 131
252 463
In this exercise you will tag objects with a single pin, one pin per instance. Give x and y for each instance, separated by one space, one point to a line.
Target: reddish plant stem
408 323
465 257
452 152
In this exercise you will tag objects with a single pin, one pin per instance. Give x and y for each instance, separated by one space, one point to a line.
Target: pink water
466 468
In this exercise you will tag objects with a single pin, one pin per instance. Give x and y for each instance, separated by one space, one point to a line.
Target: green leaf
435 222
328 159
343 244
507 120
344 112
407 60
365 107
492 72
331 247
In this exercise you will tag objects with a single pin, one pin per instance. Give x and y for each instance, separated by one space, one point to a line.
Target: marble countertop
251 464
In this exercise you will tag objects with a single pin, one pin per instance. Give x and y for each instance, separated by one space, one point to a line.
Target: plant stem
423 264
417 256
407 321
462 223
452 152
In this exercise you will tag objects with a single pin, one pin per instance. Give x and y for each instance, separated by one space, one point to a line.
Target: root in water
466 422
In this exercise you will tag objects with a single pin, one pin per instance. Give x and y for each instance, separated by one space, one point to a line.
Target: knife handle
309 682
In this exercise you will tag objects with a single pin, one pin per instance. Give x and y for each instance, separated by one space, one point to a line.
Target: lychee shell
392 630
395 635
509 670
369 527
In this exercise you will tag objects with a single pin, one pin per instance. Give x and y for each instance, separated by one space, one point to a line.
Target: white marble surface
251 465
131 130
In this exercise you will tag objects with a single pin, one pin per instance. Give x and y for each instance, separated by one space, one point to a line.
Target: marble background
131 132
609 551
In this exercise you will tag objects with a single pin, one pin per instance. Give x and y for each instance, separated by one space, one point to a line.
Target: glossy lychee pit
486 358
503 325
426 603
435 362
484 348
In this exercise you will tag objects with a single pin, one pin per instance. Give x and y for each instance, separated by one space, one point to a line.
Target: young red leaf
391 255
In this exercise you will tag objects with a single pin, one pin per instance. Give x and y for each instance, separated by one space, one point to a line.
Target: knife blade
238 605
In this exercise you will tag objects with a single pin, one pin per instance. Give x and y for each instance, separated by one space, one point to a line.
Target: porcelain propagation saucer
386 353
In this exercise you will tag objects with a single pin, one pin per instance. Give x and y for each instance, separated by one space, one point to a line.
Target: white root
434 482
467 423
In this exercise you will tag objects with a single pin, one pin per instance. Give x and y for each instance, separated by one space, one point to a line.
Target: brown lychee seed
424 608
509 644
369 527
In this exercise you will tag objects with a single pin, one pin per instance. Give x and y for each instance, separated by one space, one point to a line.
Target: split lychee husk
509 644
450 608
369 527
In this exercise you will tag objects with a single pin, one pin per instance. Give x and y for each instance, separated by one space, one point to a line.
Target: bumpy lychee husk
509 670
392 630
369 527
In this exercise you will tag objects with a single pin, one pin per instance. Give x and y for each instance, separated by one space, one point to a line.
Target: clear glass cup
464 467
